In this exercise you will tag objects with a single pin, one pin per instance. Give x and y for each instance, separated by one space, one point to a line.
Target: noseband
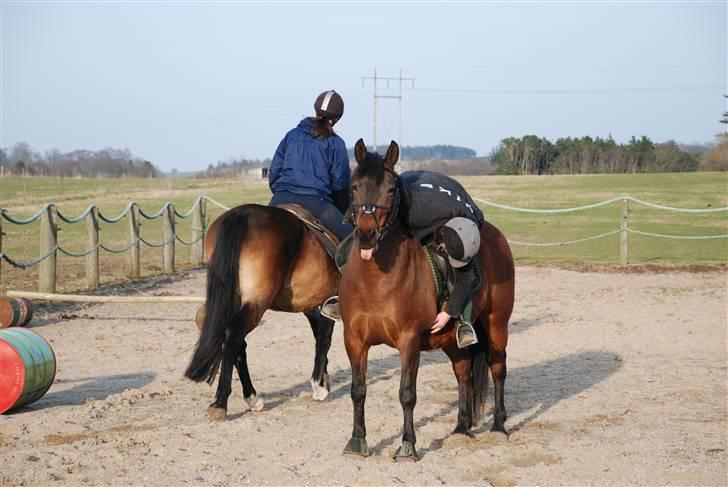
371 209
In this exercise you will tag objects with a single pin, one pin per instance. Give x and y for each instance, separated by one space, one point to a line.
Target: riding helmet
329 104
462 240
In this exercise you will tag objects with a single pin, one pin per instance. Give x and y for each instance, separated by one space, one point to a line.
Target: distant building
256 172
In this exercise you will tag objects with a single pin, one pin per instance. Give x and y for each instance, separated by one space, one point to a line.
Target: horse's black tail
480 371
223 303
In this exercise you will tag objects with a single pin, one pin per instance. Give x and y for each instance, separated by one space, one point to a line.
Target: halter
371 209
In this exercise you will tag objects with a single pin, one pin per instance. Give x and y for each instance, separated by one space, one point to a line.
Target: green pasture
23 196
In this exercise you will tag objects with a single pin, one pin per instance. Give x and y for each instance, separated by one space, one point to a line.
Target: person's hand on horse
440 321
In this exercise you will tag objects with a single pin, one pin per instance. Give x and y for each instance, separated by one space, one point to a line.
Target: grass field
22 197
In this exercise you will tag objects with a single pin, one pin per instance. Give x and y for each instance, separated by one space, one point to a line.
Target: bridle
371 209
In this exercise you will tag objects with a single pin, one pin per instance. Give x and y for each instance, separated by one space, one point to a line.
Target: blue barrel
27 367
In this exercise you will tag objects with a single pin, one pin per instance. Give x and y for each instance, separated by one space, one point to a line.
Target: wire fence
49 215
624 229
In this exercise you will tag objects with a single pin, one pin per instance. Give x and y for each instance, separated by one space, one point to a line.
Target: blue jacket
306 165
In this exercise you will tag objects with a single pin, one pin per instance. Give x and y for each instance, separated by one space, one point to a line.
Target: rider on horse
311 166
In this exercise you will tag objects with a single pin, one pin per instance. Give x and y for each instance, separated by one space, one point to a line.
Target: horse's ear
360 151
392 155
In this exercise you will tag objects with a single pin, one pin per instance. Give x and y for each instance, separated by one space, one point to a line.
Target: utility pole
398 97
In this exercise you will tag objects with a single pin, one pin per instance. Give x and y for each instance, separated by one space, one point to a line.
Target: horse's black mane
373 166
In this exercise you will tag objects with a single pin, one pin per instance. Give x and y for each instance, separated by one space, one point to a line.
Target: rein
371 209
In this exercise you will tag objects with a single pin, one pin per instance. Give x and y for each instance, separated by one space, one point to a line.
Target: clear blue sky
187 84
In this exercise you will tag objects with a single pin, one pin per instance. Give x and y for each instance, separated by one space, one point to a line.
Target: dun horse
388 297
260 258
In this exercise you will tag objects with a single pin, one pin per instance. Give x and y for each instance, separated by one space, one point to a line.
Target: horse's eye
353 189
390 190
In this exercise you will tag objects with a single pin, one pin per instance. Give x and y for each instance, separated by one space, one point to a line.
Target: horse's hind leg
322 328
251 397
232 346
497 342
461 365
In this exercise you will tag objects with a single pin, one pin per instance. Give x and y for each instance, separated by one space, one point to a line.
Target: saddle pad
323 234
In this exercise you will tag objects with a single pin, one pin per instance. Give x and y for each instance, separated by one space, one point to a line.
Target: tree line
428 152
22 160
531 154
233 167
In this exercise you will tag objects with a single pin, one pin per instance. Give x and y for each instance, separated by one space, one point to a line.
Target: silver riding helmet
462 240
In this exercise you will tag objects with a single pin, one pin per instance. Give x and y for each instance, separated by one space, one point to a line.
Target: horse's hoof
406 453
216 413
357 446
320 392
500 430
255 403
462 430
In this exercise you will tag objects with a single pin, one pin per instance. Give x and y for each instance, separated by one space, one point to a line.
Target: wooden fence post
92 259
168 254
624 232
133 261
197 256
48 244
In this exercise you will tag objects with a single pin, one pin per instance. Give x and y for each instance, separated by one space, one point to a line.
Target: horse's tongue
366 254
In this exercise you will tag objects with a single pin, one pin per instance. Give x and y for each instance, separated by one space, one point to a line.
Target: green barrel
27 367
15 311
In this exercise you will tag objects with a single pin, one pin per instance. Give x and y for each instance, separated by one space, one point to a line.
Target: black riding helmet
329 104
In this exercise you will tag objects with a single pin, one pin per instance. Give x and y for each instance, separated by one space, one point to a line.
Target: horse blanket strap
323 234
443 276
436 275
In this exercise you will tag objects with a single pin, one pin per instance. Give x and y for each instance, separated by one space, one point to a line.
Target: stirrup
465 335
330 308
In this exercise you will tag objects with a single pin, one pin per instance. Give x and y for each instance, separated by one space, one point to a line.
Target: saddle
443 274
323 234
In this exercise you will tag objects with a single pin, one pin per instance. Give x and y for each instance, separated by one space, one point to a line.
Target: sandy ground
614 379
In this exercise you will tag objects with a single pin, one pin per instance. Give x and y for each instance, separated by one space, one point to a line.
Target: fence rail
624 229
49 215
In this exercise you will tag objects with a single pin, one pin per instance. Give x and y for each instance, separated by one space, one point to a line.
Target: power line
598 69
375 79
663 89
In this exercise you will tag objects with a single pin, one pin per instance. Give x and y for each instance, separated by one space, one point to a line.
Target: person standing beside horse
439 209
310 168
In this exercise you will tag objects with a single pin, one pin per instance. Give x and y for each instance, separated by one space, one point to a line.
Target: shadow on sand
98 388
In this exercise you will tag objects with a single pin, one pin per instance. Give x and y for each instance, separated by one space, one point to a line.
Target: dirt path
613 379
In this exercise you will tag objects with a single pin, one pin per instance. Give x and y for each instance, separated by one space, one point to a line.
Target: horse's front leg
251 397
322 328
409 356
357 352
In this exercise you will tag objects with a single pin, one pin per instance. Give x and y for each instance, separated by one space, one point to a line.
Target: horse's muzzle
367 239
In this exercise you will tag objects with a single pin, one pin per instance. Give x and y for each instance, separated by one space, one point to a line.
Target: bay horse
261 258
388 296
